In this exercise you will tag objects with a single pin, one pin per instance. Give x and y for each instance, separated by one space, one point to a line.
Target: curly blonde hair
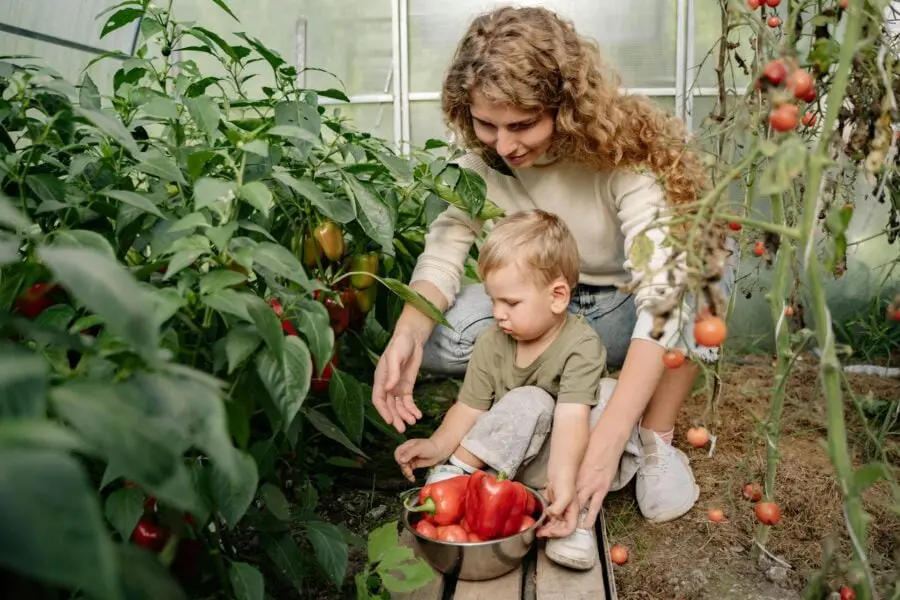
532 58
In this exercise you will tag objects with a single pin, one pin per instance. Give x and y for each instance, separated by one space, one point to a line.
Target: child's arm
568 441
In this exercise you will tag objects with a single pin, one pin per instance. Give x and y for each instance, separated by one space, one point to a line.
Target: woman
546 127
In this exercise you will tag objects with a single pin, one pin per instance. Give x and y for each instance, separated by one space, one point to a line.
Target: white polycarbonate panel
73 20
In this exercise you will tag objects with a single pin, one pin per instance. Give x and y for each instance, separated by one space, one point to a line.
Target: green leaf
23 384
285 554
139 201
142 575
124 508
240 343
384 547
228 302
473 190
257 195
181 260
219 279
250 226
411 296
270 57
83 238
348 403
208 190
869 474
221 4
275 501
299 114
88 94
281 262
188 223
330 430
246 580
412 576
641 251
161 107
374 218
205 114
267 323
313 322
42 435
56 318
54 532
10 217
337 209
286 377
330 548
48 188
294 132
120 19
111 126
154 163
258 147
233 496
106 288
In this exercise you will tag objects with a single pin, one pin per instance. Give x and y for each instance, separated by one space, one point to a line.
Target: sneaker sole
568 561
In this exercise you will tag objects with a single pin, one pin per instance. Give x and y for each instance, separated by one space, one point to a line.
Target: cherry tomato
697 436
789 311
673 358
618 554
426 529
453 534
753 492
809 119
772 3
767 513
775 72
148 534
759 248
800 83
784 118
710 332
843 4
716 515
474 538
847 593
753 4
735 226
774 22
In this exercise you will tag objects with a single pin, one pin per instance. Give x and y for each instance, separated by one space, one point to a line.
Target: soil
693 558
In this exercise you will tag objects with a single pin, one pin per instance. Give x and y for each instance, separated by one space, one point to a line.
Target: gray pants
514 435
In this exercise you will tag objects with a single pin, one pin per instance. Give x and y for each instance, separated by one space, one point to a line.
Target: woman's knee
447 350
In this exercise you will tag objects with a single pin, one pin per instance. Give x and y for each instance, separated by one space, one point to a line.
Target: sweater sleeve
641 205
448 242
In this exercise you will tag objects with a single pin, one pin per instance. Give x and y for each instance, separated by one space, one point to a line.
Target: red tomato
716 515
775 72
618 554
759 248
426 529
789 311
809 119
772 3
453 534
753 492
801 84
843 4
526 523
673 359
767 513
753 4
847 593
735 226
784 118
710 332
774 22
697 436
893 314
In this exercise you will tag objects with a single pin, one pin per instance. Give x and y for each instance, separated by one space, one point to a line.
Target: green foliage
168 343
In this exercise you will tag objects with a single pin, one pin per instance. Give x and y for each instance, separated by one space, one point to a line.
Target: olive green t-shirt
569 369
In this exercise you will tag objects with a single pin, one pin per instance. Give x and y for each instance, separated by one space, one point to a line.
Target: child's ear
561 295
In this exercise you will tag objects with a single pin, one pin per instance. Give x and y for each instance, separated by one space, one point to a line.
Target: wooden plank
507 587
434 589
560 583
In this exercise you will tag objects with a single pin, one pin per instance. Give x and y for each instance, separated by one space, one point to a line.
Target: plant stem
829 365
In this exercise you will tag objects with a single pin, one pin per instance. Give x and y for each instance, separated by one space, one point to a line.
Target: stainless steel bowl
474 561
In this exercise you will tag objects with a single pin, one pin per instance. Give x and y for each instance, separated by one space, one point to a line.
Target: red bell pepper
495 506
443 502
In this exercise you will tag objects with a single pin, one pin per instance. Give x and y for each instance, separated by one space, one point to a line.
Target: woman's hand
562 513
395 376
594 478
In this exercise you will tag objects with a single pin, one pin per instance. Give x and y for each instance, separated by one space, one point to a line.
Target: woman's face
520 137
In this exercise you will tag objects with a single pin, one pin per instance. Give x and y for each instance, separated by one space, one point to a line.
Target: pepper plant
184 267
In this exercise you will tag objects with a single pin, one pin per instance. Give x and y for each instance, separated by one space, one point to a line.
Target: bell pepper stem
502 476
427 507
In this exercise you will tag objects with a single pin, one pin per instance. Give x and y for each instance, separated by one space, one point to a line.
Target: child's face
522 307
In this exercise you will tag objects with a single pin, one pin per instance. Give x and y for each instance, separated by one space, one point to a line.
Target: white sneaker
665 487
442 472
577 550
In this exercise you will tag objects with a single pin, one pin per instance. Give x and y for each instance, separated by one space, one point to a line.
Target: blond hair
533 59
535 239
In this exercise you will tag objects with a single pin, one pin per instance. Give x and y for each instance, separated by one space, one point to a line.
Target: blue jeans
609 312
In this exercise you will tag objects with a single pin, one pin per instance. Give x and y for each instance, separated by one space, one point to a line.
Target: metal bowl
474 561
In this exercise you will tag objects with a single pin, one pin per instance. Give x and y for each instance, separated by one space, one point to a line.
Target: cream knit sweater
606 212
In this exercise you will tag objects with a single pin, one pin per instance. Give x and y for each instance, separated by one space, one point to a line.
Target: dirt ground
692 558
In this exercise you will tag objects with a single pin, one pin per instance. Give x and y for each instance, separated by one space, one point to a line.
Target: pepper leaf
412 576
23 384
233 495
348 403
313 322
374 216
246 581
330 430
330 548
123 509
286 377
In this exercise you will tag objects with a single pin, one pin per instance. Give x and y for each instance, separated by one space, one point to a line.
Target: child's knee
536 399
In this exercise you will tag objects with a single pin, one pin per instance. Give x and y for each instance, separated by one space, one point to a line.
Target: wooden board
507 587
433 590
554 582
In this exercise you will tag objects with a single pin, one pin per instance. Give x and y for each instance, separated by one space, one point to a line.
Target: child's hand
562 514
417 453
